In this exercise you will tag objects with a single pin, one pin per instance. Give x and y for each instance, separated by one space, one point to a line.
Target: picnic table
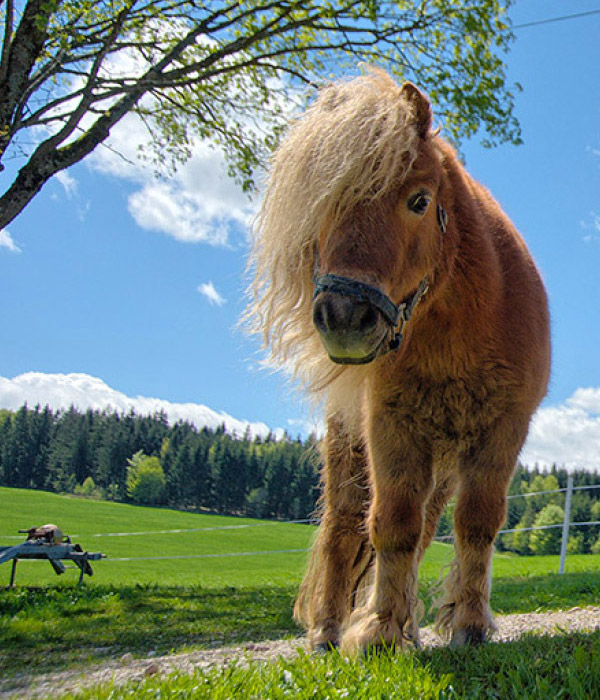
48 542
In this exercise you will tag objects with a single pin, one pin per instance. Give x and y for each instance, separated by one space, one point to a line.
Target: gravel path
126 668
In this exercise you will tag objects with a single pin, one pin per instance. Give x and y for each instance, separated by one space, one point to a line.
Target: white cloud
68 182
208 290
7 242
200 203
594 226
567 434
315 426
83 391
587 399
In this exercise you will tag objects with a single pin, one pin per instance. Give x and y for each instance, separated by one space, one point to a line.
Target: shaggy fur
446 413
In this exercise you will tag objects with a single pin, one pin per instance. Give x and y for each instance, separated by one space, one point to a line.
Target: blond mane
353 144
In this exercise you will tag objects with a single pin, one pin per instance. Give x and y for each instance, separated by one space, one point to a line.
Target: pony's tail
310 589
350 592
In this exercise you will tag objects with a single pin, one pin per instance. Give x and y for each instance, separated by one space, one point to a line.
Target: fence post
565 529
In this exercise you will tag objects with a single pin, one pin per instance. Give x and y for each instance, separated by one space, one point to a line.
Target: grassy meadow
158 606
97 525
196 553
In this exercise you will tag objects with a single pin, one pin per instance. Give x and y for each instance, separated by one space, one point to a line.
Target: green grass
163 606
81 624
532 668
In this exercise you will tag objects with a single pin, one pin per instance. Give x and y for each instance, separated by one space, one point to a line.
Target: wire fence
566 526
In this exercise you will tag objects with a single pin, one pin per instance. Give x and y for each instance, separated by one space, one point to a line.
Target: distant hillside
144 459
91 453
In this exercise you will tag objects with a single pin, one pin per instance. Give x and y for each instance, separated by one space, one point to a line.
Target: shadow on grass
522 594
87 623
566 665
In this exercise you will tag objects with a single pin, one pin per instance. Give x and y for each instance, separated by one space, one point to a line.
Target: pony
395 289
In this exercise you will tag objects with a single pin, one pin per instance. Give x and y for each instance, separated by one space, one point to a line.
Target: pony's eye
419 202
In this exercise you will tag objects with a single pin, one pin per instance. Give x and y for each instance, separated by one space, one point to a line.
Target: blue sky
139 284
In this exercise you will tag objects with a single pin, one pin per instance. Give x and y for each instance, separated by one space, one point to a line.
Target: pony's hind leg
484 478
341 553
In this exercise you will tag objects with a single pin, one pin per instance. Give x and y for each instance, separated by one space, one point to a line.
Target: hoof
472 636
324 638
369 634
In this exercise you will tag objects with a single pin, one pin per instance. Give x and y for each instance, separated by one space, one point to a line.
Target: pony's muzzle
351 330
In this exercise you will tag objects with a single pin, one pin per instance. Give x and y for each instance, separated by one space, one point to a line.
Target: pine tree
228 474
180 478
112 457
41 431
202 477
20 463
5 434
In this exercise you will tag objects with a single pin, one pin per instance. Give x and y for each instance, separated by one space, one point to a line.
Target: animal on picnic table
396 289
48 534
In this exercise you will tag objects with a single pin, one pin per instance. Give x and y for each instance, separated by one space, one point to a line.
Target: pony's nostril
321 316
343 315
366 318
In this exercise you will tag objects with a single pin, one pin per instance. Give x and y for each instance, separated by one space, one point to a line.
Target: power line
550 20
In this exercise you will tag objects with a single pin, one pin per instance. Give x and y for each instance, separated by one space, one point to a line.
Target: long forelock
352 146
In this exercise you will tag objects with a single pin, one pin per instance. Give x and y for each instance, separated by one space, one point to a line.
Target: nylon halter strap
397 315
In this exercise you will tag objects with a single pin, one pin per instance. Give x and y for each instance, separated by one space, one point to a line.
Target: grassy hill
103 526
209 550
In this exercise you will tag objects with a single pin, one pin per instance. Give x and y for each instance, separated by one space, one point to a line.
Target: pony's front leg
484 478
342 552
401 483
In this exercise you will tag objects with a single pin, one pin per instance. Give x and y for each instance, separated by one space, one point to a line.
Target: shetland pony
396 289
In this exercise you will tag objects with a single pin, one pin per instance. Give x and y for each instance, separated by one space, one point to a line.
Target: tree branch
87 92
55 70
21 56
8 29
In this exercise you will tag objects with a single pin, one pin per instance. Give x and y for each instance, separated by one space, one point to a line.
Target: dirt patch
127 668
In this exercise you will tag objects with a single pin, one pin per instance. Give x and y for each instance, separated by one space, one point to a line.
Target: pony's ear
421 107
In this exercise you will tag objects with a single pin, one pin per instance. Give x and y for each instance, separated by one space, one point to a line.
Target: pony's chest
449 409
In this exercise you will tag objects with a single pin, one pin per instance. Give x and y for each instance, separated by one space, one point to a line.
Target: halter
396 315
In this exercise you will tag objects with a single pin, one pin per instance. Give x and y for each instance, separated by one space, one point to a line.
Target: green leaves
146 479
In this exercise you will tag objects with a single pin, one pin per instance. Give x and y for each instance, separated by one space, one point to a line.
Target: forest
144 459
